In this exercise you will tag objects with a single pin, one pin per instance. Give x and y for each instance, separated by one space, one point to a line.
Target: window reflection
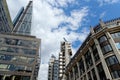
111 60
106 48
102 39
18 42
17 58
115 35
113 66
11 67
118 45
18 50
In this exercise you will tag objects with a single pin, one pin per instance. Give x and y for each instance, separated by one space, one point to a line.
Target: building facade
53 69
19 51
98 58
19 55
22 22
64 58
5 20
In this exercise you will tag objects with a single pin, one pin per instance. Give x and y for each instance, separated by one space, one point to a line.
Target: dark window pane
101 72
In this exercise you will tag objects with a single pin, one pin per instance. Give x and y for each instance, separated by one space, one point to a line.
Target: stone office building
98 58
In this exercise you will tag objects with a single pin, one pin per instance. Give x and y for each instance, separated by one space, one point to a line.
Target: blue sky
55 19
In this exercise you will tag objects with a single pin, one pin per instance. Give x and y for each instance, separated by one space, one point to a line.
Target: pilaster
95 68
73 70
4 77
13 78
69 76
78 70
85 67
105 68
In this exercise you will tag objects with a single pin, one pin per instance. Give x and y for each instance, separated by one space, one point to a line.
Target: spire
91 30
102 24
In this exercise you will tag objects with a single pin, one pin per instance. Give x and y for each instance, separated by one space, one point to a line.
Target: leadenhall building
98 58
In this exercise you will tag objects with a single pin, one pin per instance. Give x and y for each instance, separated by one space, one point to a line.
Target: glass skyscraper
19 51
22 22
5 20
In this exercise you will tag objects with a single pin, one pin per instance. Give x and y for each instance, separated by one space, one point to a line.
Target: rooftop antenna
65 39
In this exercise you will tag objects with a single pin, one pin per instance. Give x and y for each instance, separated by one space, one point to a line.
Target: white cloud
13 8
45 18
43 71
76 18
102 15
104 2
61 3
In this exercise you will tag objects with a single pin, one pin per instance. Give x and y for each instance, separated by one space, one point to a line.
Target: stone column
112 43
105 68
13 78
4 77
73 70
85 67
91 75
69 76
95 68
78 70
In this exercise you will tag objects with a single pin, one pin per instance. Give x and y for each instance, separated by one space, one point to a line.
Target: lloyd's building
19 51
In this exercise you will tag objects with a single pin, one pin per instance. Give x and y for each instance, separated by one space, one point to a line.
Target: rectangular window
115 35
111 60
81 67
89 76
106 48
114 66
76 72
95 53
115 74
18 50
88 59
20 59
94 74
102 39
12 67
101 72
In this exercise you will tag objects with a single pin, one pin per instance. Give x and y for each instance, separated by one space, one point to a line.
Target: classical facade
64 58
98 58
53 68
